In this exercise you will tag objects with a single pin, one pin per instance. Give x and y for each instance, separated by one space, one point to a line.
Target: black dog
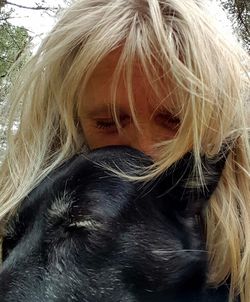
85 234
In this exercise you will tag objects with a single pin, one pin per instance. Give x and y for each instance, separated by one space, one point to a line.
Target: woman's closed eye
168 120
110 124
105 123
165 120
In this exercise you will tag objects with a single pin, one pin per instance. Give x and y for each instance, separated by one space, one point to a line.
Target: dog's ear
183 190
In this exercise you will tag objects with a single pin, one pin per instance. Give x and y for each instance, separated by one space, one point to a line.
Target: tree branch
4 18
2 3
11 36
6 60
38 7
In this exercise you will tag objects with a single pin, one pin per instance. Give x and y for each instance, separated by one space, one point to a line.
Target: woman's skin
156 123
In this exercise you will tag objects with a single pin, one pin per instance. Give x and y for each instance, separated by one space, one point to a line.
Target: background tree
13 53
15 49
239 13
42 5
13 42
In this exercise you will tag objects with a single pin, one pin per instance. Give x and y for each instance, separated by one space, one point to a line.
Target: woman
154 75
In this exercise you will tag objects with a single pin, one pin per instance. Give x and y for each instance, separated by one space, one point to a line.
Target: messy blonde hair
174 41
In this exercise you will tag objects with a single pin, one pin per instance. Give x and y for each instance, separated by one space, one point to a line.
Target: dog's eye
91 225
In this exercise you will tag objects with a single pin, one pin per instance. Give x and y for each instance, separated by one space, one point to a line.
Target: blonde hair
174 41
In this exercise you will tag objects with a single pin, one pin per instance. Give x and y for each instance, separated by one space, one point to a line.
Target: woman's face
156 123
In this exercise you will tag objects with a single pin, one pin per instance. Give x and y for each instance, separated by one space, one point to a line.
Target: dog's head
85 234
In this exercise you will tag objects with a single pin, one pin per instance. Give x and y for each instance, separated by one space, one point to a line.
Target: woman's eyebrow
96 110
104 109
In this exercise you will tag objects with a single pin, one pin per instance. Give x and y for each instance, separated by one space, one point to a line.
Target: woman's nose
143 142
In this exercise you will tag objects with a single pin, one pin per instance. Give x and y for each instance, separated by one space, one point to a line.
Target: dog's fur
85 234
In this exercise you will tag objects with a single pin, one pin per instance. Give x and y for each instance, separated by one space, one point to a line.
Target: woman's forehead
104 74
98 96
98 92
108 65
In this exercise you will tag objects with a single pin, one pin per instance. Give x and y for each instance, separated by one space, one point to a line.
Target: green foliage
13 41
239 12
13 54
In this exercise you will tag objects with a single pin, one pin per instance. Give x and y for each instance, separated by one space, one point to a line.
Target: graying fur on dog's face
86 235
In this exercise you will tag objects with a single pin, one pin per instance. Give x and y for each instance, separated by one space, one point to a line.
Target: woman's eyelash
167 119
103 124
110 123
170 119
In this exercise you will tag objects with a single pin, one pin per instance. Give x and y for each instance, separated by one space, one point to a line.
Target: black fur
86 235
